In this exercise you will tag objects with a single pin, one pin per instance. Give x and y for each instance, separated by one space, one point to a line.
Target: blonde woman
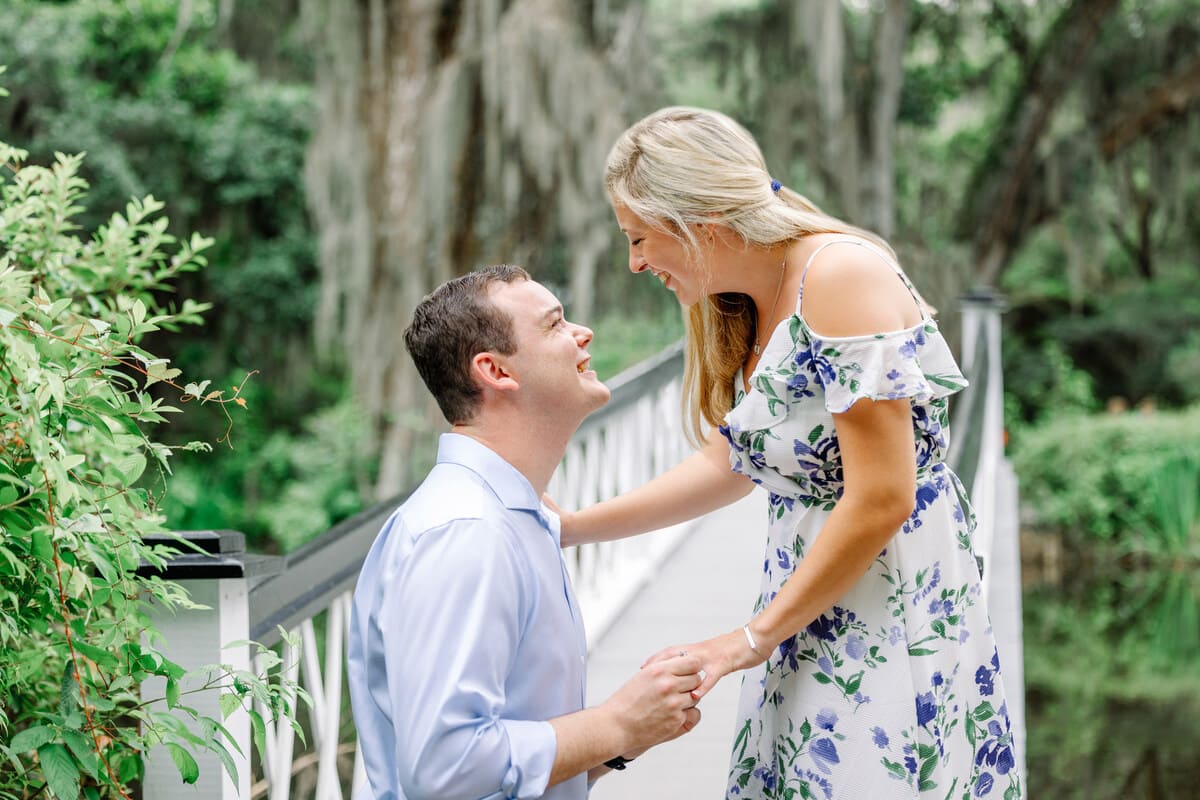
871 670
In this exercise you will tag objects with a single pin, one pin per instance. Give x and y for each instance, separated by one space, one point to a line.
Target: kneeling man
467 650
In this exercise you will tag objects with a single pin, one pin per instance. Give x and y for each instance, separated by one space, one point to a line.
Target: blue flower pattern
896 690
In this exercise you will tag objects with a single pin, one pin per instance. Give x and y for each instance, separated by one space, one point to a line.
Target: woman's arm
701 483
849 292
880 472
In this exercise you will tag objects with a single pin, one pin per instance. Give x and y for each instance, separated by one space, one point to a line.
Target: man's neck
531 449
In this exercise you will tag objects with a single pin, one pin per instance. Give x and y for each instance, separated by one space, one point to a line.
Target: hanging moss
448 138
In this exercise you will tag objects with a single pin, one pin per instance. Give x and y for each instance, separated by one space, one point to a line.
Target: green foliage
191 121
1093 476
1044 384
77 399
621 341
1128 341
279 487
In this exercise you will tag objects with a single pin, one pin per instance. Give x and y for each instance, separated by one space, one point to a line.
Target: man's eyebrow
556 311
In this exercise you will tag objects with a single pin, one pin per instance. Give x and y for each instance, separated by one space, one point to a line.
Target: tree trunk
891 35
995 218
825 37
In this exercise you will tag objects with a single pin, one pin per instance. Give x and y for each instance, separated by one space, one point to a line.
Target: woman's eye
636 242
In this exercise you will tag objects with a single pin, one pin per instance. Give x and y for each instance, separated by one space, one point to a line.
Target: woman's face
661 254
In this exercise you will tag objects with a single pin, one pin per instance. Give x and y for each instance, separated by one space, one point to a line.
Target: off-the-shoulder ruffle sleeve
916 363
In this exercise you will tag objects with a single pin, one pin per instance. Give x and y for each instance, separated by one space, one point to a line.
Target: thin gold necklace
778 289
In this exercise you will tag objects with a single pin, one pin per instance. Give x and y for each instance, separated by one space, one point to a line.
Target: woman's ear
492 372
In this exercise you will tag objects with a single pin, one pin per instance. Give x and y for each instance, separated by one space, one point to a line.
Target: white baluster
329 787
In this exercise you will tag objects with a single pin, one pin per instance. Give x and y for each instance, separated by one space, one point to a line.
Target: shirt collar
513 489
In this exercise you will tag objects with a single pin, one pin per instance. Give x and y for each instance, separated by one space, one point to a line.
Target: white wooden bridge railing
635 437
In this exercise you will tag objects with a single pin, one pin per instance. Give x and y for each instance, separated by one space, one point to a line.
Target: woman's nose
636 263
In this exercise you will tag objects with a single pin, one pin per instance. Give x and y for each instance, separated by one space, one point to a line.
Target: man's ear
492 373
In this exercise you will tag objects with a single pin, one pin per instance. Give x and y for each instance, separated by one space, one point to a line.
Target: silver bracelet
750 640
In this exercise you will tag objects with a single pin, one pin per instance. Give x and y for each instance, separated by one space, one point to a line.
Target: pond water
1112 668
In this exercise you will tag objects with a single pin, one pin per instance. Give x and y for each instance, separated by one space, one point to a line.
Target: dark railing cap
986 297
209 555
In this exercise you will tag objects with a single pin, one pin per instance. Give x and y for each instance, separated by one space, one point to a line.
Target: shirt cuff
532 747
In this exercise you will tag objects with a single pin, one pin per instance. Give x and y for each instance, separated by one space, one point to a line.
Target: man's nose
583 335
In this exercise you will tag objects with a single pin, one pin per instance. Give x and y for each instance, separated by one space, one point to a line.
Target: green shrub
78 395
1093 475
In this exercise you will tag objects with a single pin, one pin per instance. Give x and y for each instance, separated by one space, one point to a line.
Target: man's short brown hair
452 325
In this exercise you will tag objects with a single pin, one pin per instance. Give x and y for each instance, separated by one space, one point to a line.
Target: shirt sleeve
451 620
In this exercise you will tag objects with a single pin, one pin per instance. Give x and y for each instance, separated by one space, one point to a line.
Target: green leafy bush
1093 475
77 398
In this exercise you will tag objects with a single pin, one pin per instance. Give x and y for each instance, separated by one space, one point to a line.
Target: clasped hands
718 657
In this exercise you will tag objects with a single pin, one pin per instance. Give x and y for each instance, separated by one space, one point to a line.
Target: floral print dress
895 691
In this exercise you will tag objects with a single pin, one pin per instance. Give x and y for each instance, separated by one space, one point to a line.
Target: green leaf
61 773
57 307
129 769
229 703
173 693
920 651
82 748
227 760
33 738
68 693
131 467
188 770
101 656
41 546
260 732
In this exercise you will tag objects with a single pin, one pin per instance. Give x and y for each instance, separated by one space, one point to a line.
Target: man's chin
601 397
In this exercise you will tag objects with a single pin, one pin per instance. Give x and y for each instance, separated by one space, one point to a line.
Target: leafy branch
76 636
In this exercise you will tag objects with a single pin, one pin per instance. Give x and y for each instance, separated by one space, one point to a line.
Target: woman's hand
566 521
718 656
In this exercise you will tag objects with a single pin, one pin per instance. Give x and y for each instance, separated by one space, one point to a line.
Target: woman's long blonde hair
681 167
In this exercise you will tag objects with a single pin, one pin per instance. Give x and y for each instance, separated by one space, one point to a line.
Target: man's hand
656 704
718 657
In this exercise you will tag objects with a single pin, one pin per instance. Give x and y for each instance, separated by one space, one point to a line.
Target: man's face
551 361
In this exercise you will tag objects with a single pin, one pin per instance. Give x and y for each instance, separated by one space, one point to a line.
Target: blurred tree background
348 156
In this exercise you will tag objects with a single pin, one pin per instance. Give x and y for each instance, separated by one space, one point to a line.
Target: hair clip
775 185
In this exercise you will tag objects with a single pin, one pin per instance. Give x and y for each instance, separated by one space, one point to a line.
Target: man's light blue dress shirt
465 638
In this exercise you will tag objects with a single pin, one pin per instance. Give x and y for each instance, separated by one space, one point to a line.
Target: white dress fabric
895 691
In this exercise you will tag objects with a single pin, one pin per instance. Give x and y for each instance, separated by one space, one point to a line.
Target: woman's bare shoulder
852 288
